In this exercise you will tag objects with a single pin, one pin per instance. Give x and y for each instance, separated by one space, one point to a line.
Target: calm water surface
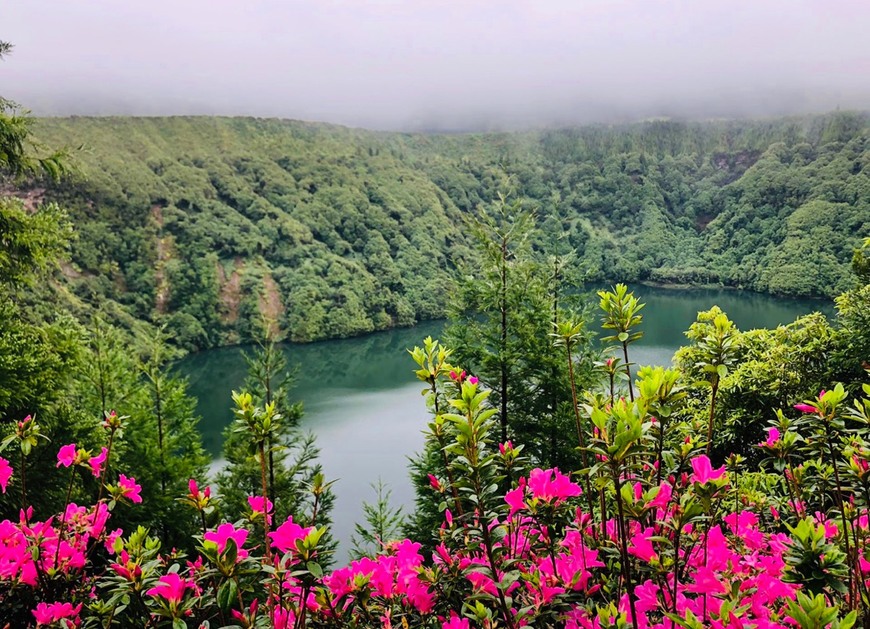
364 404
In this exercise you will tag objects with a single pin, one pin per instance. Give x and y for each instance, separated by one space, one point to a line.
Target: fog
437 64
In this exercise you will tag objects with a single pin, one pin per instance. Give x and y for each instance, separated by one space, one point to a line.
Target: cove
364 404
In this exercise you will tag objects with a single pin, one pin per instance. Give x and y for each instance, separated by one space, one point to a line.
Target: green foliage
814 562
502 313
266 426
30 242
206 224
383 524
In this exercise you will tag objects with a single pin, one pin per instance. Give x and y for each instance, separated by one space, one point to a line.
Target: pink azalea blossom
455 622
285 536
226 532
662 498
5 473
435 483
516 497
806 408
256 504
110 540
66 456
129 488
551 485
641 546
772 437
706 582
48 613
704 472
96 462
473 379
171 587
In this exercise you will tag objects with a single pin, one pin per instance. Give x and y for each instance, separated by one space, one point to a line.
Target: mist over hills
440 65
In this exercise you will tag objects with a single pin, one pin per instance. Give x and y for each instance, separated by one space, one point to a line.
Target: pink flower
129 488
256 504
704 472
458 377
455 622
772 437
641 545
226 532
662 498
706 582
110 540
284 538
473 380
448 516
66 456
806 408
516 497
5 473
96 462
47 613
436 484
551 485
170 587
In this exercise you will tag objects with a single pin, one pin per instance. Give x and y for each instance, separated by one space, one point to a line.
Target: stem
268 387
715 390
676 565
441 443
623 546
828 438
628 371
580 436
23 486
300 617
472 455
456 502
265 498
503 348
62 532
660 446
106 464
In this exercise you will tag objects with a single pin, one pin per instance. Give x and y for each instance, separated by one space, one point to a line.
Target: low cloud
437 64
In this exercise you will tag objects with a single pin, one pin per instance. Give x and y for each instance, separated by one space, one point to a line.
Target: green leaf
314 568
227 594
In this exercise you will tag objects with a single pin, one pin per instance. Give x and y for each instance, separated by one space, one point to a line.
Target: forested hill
206 222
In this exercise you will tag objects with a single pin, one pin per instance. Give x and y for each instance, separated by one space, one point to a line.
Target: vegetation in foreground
648 532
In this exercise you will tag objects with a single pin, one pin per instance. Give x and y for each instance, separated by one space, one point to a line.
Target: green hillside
204 223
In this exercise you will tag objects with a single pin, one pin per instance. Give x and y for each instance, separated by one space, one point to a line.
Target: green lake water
364 404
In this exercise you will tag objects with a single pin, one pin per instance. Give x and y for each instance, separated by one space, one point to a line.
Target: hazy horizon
438 65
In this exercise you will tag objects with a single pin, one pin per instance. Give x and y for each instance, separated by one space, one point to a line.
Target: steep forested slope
205 223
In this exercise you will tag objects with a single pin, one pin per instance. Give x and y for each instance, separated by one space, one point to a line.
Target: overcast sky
427 64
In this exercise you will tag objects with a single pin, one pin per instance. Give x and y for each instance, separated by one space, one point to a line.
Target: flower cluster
655 541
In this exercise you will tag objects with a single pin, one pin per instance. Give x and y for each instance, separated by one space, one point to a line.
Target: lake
364 404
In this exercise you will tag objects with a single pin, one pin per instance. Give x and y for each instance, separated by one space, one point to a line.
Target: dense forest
209 224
